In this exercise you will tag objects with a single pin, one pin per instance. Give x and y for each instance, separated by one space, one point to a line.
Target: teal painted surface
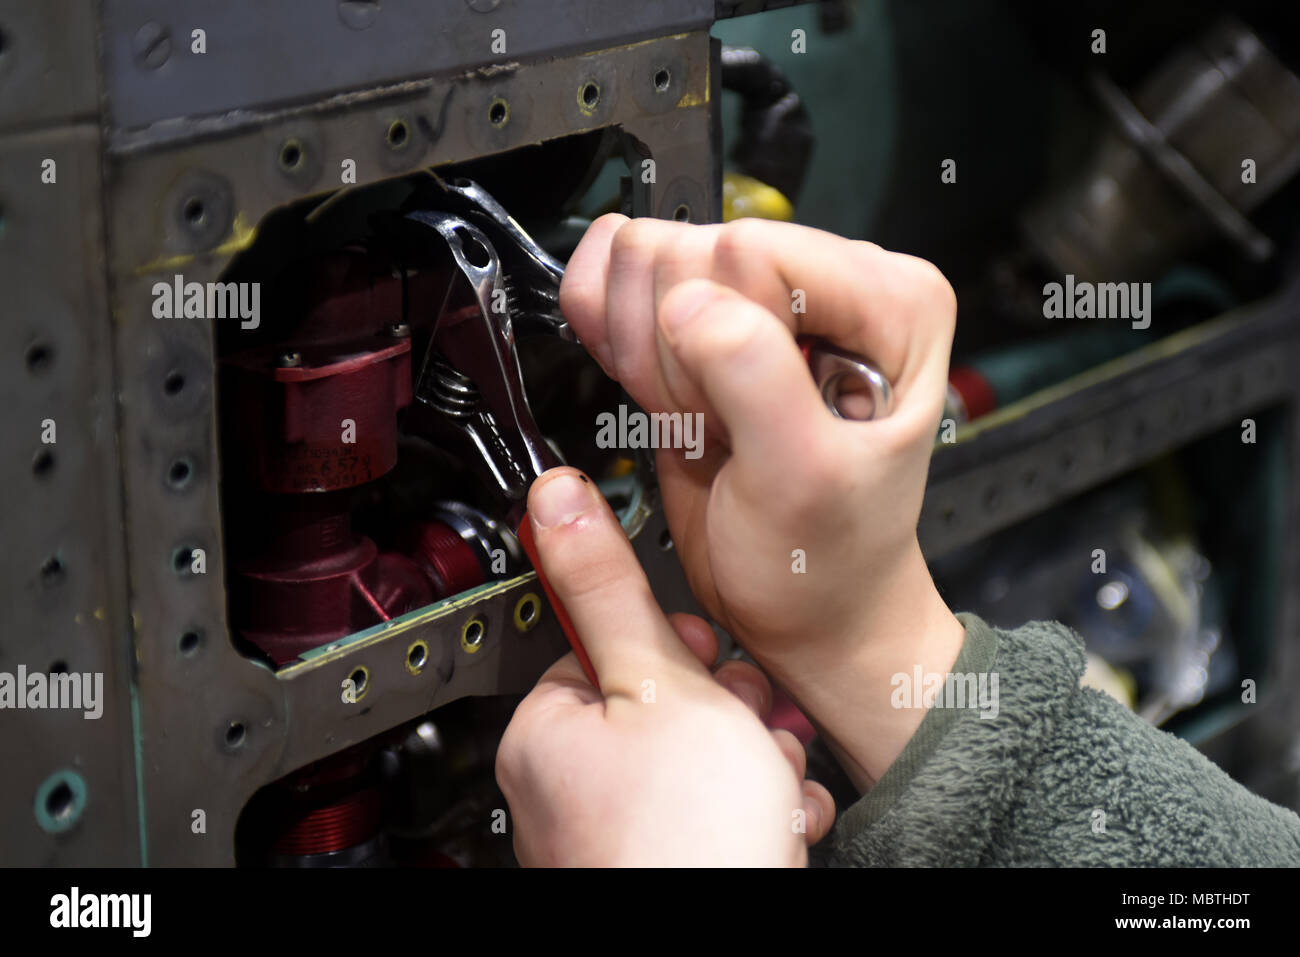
846 81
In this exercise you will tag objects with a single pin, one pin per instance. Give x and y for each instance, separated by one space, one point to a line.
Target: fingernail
559 500
749 694
813 815
680 308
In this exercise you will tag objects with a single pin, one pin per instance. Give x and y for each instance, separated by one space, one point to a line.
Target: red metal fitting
447 559
310 417
328 806
320 418
312 580
972 391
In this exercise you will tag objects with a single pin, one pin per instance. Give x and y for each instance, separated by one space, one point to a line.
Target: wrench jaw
469 395
532 274
529 256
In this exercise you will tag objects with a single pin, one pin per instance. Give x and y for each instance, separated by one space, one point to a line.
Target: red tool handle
805 343
561 615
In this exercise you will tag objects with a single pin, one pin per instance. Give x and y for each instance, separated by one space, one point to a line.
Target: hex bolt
153 45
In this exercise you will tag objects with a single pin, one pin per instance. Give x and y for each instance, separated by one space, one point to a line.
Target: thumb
590 564
748 366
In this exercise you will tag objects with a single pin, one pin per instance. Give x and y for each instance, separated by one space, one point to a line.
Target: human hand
797 530
666 764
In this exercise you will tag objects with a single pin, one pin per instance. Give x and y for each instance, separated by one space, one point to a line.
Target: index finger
895 309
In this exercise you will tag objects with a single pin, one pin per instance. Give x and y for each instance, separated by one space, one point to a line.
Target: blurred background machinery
1161 150
327 686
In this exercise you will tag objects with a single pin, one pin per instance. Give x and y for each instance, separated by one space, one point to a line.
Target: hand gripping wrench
469 396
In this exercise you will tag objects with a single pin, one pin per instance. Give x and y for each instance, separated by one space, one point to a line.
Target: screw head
289 360
358 14
399 330
153 45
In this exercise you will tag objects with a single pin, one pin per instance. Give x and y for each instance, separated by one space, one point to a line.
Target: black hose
776 137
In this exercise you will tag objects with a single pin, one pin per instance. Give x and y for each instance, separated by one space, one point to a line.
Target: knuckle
612 220
738 239
933 290
635 241
869 258
510 755
579 293
910 280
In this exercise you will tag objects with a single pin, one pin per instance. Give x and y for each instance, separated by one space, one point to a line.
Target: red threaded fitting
348 822
448 559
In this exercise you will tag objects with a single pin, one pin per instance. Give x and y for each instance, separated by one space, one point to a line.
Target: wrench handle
832 368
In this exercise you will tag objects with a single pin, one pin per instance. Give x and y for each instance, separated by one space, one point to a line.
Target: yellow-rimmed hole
417 656
399 134
360 678
528 610
472 635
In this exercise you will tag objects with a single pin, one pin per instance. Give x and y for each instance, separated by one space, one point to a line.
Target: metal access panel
167 160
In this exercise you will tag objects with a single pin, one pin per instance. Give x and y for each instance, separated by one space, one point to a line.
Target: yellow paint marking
241 237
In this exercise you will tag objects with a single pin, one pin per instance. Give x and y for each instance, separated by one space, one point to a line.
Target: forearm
847 687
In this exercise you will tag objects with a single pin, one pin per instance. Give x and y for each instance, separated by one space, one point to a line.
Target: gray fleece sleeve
1062 775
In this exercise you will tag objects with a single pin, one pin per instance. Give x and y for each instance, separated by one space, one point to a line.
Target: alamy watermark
933 690
37 690
658 430
74 909
1101 300
179 299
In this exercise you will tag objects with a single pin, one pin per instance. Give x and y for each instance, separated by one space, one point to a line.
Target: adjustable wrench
533 277
469 395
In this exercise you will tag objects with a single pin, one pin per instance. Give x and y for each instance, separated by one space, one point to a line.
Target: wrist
846 684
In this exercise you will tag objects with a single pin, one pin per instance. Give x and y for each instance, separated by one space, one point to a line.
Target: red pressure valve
310 418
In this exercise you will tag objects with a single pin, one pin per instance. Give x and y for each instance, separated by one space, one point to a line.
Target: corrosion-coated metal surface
260 55
47 54
61 550
132 488
231 724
